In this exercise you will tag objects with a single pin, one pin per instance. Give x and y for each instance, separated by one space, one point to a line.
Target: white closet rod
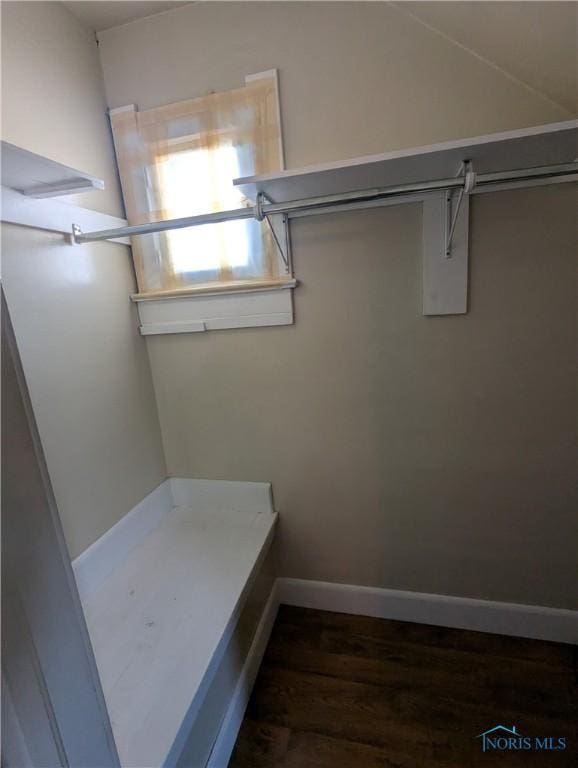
487 182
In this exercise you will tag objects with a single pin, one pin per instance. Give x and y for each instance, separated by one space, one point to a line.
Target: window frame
209 305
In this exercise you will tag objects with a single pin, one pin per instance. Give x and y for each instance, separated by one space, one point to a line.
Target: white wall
86 365
434 454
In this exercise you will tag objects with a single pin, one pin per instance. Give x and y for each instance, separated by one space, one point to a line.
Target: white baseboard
531 621
225 742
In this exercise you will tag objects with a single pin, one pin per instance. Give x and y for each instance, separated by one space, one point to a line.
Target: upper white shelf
542 145
36 176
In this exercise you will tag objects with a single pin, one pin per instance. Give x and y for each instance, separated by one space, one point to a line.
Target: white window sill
209 308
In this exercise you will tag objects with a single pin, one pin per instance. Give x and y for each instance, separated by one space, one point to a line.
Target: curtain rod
487 182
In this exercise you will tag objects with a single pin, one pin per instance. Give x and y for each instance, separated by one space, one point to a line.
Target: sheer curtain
180 160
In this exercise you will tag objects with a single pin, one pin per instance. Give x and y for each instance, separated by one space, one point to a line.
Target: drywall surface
88 374
535 42
52 95
355 78
431 454
86 366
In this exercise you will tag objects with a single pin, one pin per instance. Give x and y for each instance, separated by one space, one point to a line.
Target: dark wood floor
353 692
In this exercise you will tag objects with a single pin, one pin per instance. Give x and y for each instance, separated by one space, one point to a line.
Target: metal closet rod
484 183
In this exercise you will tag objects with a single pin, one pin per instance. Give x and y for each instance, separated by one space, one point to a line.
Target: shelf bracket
260 216
469 176
445 233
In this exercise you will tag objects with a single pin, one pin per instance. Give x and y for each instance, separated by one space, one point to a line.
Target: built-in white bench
162 592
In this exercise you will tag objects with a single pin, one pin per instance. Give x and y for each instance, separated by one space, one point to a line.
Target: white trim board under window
246 307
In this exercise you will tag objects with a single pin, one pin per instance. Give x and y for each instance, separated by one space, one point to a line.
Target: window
180 160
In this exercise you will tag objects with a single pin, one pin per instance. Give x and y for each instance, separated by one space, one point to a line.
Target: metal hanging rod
483 183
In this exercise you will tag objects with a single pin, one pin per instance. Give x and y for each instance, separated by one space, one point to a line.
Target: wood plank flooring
341 691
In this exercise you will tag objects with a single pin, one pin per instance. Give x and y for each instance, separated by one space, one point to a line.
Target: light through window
196 181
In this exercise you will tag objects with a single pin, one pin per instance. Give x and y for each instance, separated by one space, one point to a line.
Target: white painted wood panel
221 494
37 176
202 312
55 216
445 278
229 730
96 563
48 666
161 620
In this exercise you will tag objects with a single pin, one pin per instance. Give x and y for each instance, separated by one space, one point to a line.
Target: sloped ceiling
532 42
102 14
535 42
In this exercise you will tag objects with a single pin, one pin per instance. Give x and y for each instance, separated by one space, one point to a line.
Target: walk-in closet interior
289 384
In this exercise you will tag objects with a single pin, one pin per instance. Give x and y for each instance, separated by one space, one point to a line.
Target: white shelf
30 183
543 145
54 215
36 176
161 620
